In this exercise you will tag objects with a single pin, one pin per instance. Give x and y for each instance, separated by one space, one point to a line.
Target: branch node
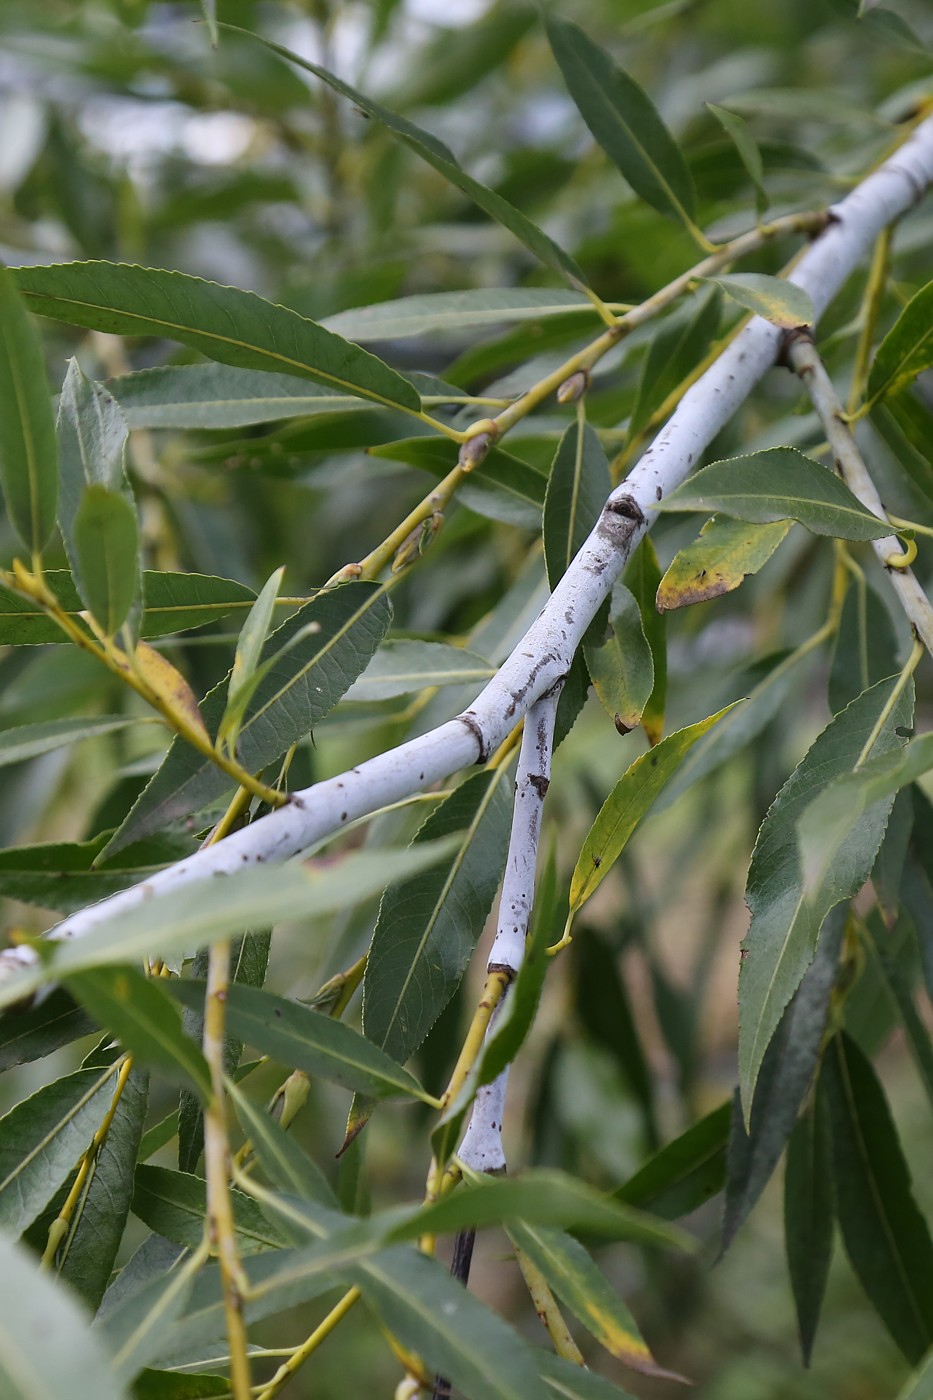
473 725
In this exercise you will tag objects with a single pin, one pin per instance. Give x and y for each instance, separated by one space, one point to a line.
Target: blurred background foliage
125 136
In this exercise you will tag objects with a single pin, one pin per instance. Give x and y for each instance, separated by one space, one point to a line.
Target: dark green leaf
606 1012
428 926
106 556
65 875
737 129
282 1160
624 121
786 919
503 487
673 355
28 450
296 1035
28 1035
31 740
144 1019
573 1382
866 646
173 1385
686 1173
779 483
577 488
174 1205
808 1221
907 349
223 323
886 1237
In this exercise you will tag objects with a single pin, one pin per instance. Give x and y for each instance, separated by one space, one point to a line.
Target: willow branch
543 656
805 360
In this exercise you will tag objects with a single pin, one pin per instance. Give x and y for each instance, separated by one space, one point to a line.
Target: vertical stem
222 1231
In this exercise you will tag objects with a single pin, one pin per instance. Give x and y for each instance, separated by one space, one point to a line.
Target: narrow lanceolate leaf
786 916
907 349
145 1020
436 154
919 1385
174 603
87 1255
282 1160
721 557
808 1221
680 344
31 740
605 1011
786 1074
568 1381
225 324
106 556
298 1036
621 666
31 1035
587 1292
428 925
886 1238
503 487
28 450
686 1173
624 121
737 129
153 1384
43 1137
866 646
189 918
774 298
778 484
401 667
247 673
174 1205
340 630
62 874
577 488
827 823
642 577
630 800
47 1349
456 312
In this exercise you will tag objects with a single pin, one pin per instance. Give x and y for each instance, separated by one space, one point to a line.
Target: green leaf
174 603
401 667
907 349
779 483
624 121
247 672
225 324
145 1020
686 1173
886 1238
919 1385
587 1292
723 555
643 576
317 653
786 1075
621 666
895 973
135 1327
736 128
572 1382
172 1385
298 1036
282 1160
31 1034
42 1138
32 740
866 646
428 924
577 489
106 556
674 353
606 1014
774 298
630 800
87 1255
174 1205
455 312
47 1349
65 875
437 155
504 487
193 916
786 916
808 1221
28 450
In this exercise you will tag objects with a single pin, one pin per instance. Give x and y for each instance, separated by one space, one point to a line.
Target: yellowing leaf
723 555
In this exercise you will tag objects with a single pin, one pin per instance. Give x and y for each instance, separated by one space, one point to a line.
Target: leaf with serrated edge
47 1350
630 800
786 916
719 560
226 324
624 121
280 1157
779 483
174 1205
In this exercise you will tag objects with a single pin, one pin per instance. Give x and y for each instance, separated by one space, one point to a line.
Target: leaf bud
574 387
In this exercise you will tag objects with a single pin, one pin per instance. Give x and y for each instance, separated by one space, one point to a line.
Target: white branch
482 1143
543 656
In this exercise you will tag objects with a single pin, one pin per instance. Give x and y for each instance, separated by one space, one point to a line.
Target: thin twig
805 360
